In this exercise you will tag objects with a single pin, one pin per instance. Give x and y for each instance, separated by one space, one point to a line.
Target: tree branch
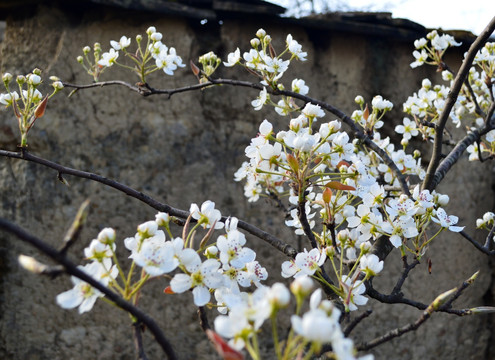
439 304
73 270
138 340
253 230
358 133
428 182
484 249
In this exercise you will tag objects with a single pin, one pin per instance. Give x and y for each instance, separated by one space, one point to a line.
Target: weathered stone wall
186 150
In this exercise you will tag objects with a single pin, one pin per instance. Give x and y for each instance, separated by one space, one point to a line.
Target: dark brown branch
438 305
454 155
347 331
203 319
489 238
102 84
301 214
73 270
138 341
358 133
397 332
484 249
407 268
429 182
253 230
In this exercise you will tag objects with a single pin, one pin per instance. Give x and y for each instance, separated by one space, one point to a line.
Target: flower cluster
341 185
431 49
165 58
319 325
100 252
28 104
263 61
473 102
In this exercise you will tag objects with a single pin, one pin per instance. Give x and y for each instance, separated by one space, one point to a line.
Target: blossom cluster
341 195
341 186
28 104
426 105
165 57
263 61
226 267
100 251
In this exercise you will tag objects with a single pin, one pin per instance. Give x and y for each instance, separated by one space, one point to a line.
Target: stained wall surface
186 149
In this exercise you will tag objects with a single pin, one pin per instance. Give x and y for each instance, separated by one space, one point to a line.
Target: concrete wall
185 150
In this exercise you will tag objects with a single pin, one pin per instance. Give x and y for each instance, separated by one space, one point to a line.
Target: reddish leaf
194 68
40 109
342 163
222 347
366 112
327 195
168 290
293 163
338 186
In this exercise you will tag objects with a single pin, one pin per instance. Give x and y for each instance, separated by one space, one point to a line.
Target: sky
472 15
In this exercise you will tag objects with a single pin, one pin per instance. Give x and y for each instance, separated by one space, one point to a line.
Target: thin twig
407 268
75 229
253 230
138 340
440 304
356 321
478 246
203 319
73 270
489 238
397 332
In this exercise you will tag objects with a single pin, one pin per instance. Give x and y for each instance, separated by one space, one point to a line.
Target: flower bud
97 47
7 77
279 296
404 142
302 286
80 59
426 83
359 100
21 79
86 50
31 264
162 219
106 236
443 199
343 236
261 33
365 247
147 229
156 36
37 71
211 252
416 154
255 43
57 85
151 30
330 250
34 79
139 38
